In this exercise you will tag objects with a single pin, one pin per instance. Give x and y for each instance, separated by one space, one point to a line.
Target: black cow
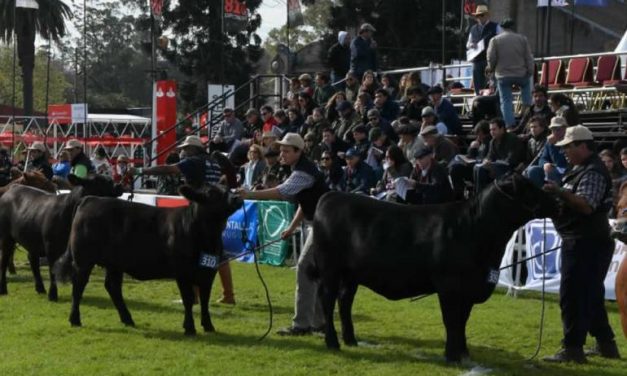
400 251
41 223
148 243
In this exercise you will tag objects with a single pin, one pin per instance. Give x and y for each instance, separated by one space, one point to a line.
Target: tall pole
85 64
572 28
443 44
287 27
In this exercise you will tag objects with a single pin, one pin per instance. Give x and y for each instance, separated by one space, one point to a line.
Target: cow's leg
113 284
12 265
79 281
466 309
6 255
453 316
187 294
53 295
345 302
33 259
327 293
204 289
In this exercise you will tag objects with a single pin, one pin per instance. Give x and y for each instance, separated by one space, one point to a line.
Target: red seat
579 72
552 75
608 71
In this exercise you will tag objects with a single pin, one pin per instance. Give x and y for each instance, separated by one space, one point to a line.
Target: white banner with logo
533 245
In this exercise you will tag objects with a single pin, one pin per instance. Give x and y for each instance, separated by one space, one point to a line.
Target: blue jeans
505 92
537 176
478 75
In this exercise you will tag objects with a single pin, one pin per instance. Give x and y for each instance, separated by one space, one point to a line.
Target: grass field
399 338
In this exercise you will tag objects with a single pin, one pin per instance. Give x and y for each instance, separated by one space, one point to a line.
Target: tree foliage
58 84
201 51
316 16
117 68
408 31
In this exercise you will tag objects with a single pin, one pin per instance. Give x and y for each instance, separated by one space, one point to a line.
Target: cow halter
533 210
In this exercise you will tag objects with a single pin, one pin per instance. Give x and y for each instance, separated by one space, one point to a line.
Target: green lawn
399 338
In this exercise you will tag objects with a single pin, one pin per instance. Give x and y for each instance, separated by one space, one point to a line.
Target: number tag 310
208 261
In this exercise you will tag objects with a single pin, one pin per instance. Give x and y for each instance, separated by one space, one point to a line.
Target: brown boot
228 297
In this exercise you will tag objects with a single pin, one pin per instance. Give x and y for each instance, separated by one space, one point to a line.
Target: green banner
274 218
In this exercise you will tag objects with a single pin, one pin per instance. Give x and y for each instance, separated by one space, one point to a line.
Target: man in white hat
587 249
38 159
483 31
304 186
81 164
199 169
363 51
552 162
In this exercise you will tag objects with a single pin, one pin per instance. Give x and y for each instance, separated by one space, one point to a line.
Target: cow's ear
74 180
192 195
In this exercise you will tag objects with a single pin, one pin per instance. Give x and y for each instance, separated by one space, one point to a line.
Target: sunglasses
265 113
325 158
373 118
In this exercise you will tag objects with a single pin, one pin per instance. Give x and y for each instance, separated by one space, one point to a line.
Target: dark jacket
363 57
339 59
509 149
359 180
433 188
308 198
444 149
448 115
487 32
42 165
413 110
535 147
390 110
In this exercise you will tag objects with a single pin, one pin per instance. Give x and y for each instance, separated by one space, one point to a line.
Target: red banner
156 6
61 113
165 100
469 6
235 16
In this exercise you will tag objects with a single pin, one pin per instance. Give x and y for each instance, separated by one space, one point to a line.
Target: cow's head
96 185
210 209
521 199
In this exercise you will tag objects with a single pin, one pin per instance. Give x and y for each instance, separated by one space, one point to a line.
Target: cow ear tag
207 261
493 276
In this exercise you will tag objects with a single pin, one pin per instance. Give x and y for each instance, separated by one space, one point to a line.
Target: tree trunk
25 33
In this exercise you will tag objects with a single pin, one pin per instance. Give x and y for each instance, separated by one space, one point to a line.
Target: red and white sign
164 115
67 113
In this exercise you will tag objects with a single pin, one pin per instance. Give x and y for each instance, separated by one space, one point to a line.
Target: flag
554 3
156 6
591 3
294 14
33 4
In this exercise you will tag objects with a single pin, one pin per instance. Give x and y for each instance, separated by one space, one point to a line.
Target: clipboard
472 53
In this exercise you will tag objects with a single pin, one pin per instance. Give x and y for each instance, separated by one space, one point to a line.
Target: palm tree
48 21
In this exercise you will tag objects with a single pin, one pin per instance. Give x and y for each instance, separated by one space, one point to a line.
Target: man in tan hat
587 249
363 51
81 164
37 159
552 162
199 169
305 186
480 34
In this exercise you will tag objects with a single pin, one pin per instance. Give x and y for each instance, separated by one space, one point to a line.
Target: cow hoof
53 297
209 329
190 332
351 343
129 323
76 324
40 290
4 292
333 345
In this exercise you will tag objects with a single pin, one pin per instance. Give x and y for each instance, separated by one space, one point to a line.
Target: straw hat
71 144
38 145
192 141
481 9
294 140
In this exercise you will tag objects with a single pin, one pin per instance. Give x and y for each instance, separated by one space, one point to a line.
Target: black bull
41 222
401 251
148 243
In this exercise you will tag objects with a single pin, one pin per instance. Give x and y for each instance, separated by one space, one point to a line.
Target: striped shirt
295 183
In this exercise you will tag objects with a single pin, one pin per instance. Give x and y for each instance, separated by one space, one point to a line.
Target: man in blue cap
358 176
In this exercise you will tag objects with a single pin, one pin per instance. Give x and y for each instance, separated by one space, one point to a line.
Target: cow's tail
63 268
311 269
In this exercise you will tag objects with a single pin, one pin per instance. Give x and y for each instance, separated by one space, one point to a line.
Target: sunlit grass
399 338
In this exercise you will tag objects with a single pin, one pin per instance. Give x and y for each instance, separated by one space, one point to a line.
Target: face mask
386 165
